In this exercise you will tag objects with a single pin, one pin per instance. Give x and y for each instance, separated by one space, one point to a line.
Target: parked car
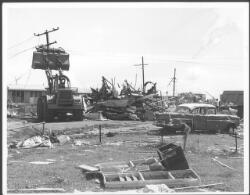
197 116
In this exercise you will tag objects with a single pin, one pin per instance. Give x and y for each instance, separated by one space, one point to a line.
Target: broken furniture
171 169
139 179
113 167
122 166
172 157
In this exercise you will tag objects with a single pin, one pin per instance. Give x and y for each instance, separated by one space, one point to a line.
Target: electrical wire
215 62
17 44
10 57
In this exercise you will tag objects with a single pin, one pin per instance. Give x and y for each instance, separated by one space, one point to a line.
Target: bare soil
132 140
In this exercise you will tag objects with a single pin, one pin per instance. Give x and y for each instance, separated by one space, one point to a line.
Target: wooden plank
182 174
116 180
200 186
222 164
165 177
125 185
131 164
110 164
140 179
88 168
184 178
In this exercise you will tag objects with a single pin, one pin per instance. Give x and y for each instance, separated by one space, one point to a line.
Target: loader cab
63 82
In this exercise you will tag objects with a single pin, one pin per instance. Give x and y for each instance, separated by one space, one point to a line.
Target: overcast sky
206 43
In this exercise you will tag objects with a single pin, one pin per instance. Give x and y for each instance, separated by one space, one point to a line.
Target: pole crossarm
46 32
139 64
47 36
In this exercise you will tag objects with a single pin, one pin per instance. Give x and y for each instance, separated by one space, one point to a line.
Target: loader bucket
44 60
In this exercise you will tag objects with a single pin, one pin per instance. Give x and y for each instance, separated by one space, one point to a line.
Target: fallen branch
222 164
201 186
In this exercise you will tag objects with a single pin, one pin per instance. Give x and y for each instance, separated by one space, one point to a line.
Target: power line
17 44
20 52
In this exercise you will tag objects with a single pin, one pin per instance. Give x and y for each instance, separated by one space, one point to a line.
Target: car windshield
182 109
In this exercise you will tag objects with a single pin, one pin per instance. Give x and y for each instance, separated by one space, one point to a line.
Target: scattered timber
200 186
222 164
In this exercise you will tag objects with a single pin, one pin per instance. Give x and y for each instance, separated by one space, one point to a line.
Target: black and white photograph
125 97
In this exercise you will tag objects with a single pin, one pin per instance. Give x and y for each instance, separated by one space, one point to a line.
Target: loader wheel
40 110
78 115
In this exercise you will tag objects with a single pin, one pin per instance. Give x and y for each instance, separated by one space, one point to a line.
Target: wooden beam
200 186
222 164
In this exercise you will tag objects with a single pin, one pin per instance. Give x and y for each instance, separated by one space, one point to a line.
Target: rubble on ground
33 142
40 141
169 170
130 104
20 110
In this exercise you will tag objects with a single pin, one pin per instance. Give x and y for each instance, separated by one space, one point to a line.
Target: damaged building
22 99
234 100
24 93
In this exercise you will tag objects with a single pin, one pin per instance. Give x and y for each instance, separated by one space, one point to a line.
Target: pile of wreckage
129 104
171 169
187 97
12 109
20 109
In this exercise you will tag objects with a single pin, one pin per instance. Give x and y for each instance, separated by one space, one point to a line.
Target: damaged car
197 116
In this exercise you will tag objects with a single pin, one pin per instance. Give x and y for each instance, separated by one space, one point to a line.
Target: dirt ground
132 140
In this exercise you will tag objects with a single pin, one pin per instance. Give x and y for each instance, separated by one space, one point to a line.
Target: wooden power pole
47 36
174 79
143 81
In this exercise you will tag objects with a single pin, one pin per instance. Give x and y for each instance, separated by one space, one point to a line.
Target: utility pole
47 70
47 36
174 79
142 65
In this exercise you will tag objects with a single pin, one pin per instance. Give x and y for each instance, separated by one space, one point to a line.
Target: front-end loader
60 100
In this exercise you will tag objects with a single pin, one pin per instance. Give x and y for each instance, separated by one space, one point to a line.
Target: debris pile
40 141
12 109
171 169
117 109
33 142
129 104
20 110
190 97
